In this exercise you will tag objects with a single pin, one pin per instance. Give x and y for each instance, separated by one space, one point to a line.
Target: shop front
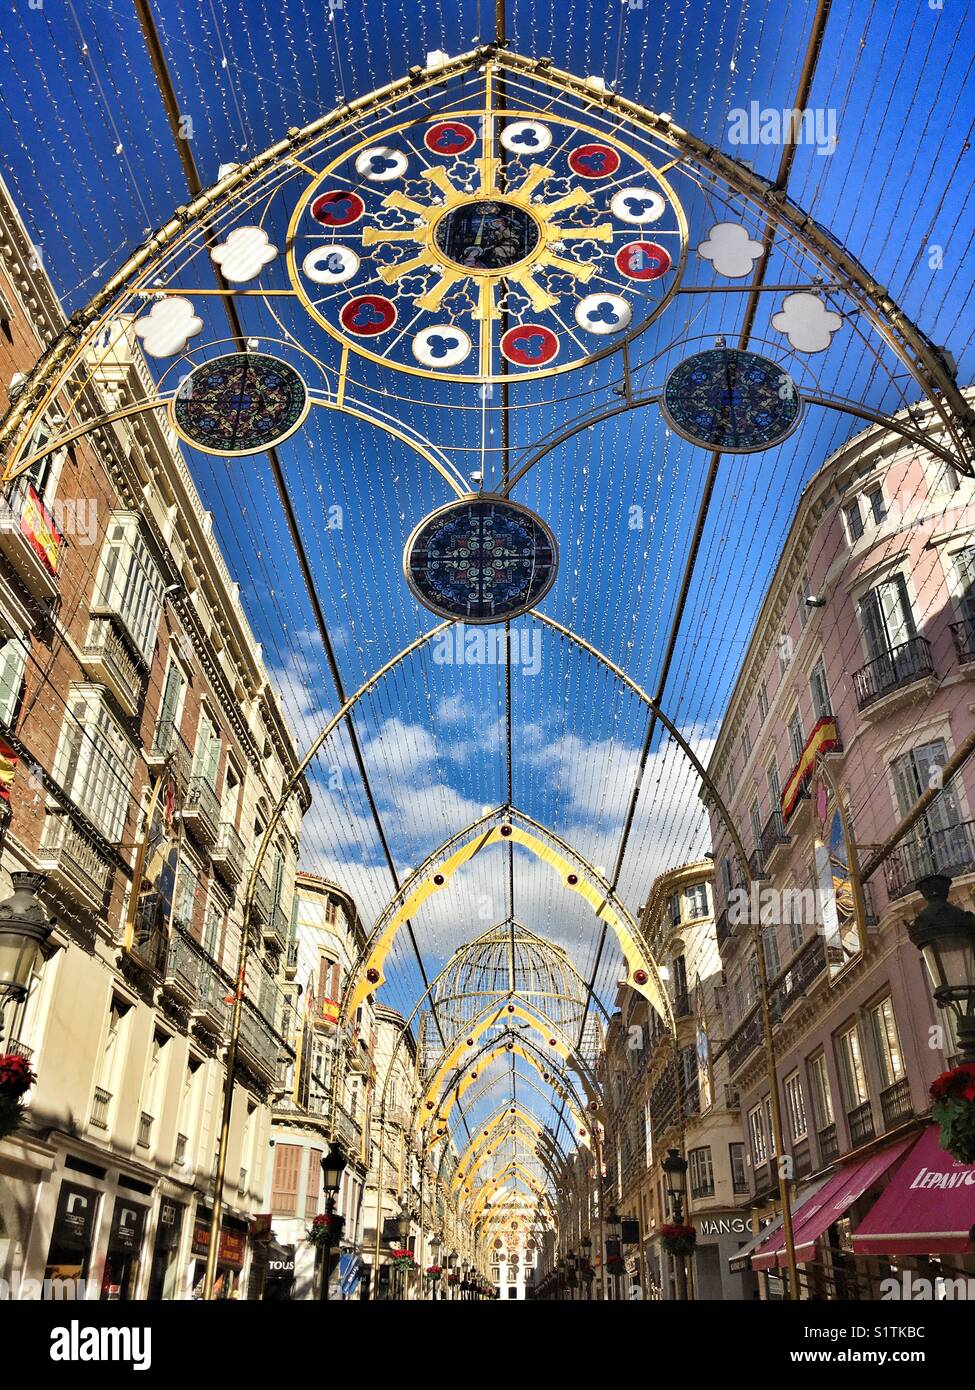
720 1236
121 1269
70 1252
164 1271
231 1254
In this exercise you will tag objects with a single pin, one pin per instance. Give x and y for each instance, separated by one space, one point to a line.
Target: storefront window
124 1250
164 1276
74 1224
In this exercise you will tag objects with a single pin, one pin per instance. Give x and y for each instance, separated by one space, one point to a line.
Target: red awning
928 1208
818 1212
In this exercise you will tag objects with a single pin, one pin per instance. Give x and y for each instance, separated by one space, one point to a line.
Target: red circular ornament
449 137
438 879
551 1042
506 830
367 315
337 208
572 879
530 345
511 1008
640 976
470 1042
642 260
594 161
593 1106
429 1104
372 974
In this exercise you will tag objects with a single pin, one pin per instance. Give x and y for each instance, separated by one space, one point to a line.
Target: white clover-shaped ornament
730 249
244 254
168 326
806 322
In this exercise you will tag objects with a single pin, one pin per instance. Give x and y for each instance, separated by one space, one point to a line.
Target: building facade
853 694
142 748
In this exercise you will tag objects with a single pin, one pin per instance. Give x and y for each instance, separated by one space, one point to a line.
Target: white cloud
168 326
730 249
244 254
806 322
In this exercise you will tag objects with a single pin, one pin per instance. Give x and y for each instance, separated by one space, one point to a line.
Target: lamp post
945 935
435 1258
403 1227
24 930
571 1266
614 1237
674 1165
465 1288
333 1166
451 1266
585 1245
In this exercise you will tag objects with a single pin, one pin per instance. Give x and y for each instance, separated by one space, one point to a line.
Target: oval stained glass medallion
482 559
242 403
730 399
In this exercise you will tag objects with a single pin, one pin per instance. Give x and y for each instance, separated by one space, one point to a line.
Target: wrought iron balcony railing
108 659
227 854
950 850
201 811
902 665
963 636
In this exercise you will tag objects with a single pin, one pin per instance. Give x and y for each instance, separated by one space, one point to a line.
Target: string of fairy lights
434 736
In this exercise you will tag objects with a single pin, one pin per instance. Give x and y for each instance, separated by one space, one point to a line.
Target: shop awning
742 1259
927 1209
814 1216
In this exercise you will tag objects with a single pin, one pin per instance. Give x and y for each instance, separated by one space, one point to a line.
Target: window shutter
284 1183
314 1183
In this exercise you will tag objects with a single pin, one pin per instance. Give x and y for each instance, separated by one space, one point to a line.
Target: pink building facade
855 690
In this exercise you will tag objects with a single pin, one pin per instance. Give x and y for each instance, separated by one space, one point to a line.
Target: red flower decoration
958 1084
16 1076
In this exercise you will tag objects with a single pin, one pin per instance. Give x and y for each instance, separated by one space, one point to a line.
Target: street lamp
333 1166
24 930
403 1224
945 935
675 1168
435 1258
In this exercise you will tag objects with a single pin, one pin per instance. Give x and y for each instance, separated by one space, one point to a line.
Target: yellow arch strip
457 1092
597 900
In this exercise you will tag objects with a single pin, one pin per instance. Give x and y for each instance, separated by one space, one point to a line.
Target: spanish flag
824 738
8 769
40 530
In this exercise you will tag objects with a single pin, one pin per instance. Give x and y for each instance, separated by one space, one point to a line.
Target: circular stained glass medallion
482 559
486 235
733 400
239 404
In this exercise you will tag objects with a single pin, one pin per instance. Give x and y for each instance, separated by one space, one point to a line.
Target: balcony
829 1145
948 851
895 1103
261 902
347 1131
901 667
259 1046
291 961
209 1009
146 1123
201 812
963 636
276 930
794 982
109 659
860 1121
169 748
73 862
227 855
744 1041
100 1103
756 866
773 836
30 542
801 1158
723 931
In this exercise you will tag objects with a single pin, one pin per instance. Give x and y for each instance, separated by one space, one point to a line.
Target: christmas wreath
16 1078
953 1094
326 1229
678 1240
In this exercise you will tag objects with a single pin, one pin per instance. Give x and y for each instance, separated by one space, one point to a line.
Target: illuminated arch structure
440 233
